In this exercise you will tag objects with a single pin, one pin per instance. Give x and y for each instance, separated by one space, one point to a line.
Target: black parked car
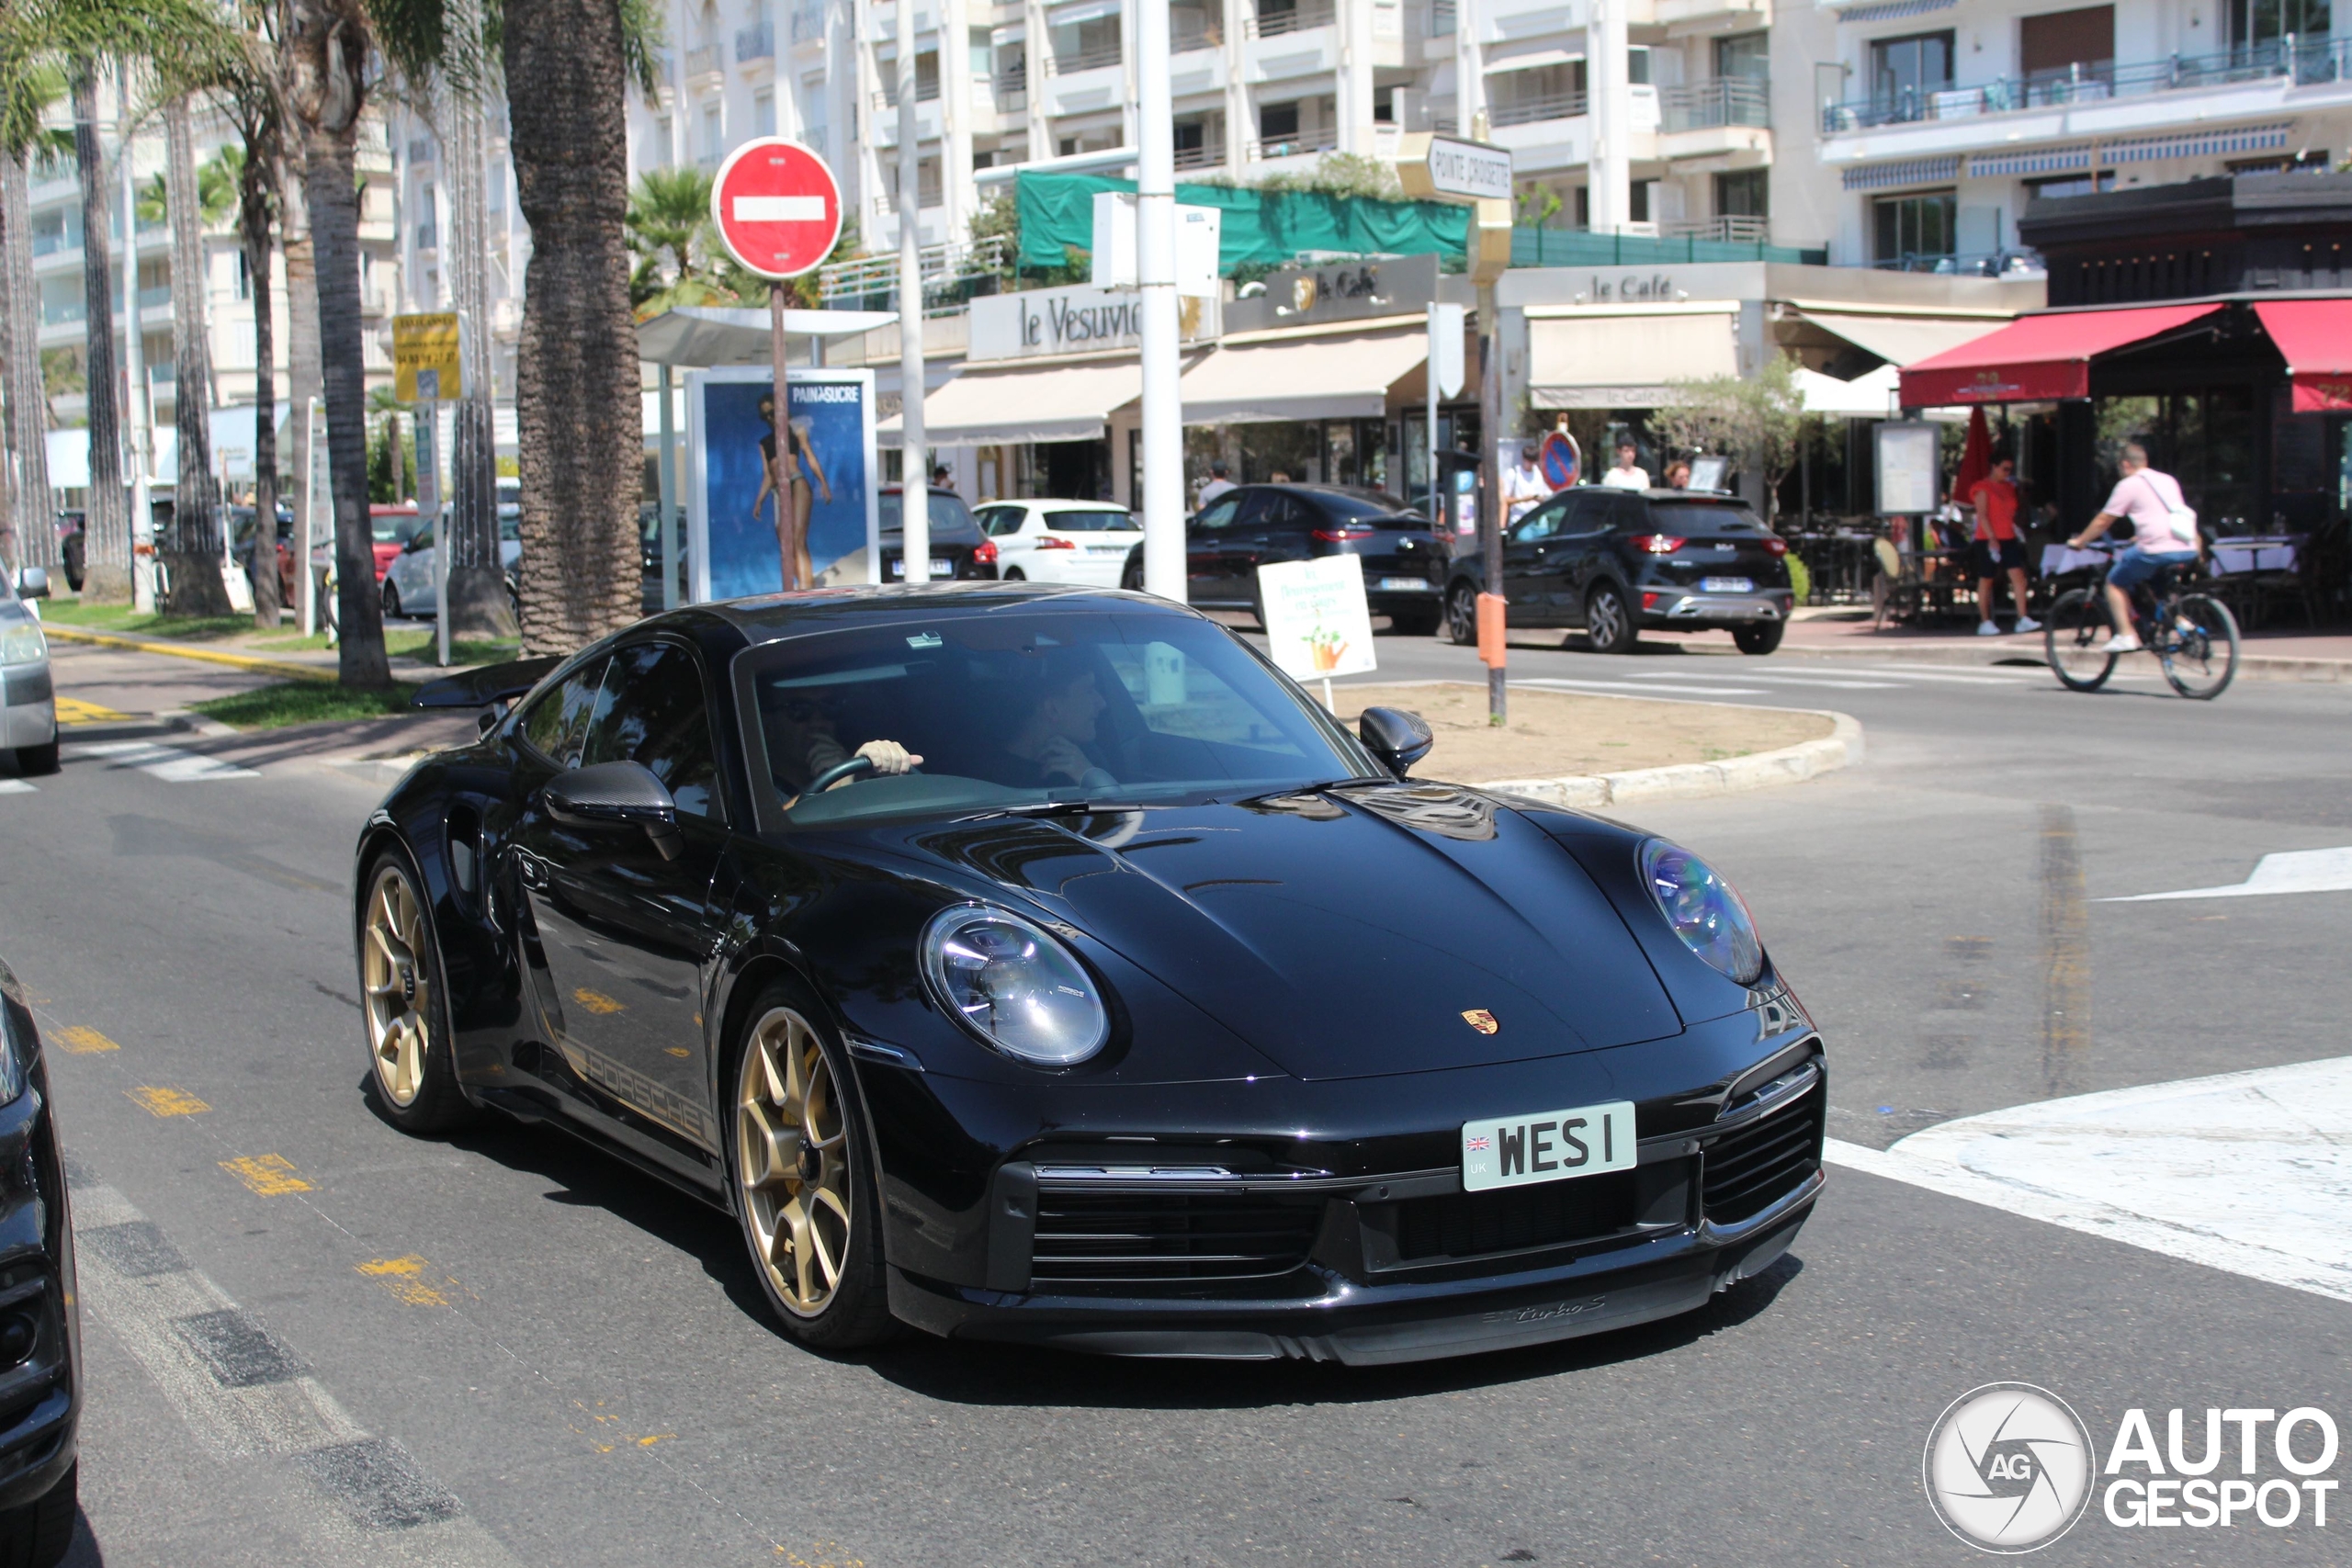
40 1336
1226 541
959 550
1616 562
1154 1013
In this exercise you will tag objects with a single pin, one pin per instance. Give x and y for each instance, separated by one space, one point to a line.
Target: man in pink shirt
2164 533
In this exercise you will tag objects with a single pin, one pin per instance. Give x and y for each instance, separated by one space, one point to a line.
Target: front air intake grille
1095 1238
1748 1169
1470 1224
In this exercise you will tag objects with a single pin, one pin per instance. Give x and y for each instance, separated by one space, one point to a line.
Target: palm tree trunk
477 603
577 372
304 380
332 50
192 548
256 198
36 541
106 539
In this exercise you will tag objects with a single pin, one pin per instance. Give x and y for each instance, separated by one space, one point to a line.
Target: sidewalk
260 653
1839 631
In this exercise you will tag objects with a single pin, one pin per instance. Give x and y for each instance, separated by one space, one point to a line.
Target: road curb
136 644
1991 652
1697 780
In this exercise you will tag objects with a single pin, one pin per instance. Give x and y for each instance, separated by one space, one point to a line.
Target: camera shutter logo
2008 1467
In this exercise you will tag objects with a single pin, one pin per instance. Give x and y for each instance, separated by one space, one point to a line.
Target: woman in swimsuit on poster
790 479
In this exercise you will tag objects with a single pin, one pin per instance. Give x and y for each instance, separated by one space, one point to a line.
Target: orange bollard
1491 631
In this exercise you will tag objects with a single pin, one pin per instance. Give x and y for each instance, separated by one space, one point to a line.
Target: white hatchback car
407 582
1060 541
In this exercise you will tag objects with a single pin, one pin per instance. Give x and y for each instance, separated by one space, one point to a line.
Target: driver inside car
806 745
1047 746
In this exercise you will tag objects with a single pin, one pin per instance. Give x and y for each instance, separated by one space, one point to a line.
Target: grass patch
302 702
123 618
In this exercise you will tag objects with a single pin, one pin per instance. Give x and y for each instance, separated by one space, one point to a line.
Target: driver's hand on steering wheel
890 757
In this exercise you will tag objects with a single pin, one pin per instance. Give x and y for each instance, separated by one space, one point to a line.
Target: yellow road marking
678 1051
649 1442
270 1176
181 650
597 1002
167 1101
73 710
404 1277
81 1040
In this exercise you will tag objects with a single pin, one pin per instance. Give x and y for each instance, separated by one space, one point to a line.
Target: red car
392 527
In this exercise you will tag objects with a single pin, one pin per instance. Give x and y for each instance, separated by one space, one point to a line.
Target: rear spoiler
482 687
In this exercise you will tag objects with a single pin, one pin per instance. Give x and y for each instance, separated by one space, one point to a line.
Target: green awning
1260 228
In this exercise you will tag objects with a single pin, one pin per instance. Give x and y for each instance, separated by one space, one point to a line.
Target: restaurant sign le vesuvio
1040 323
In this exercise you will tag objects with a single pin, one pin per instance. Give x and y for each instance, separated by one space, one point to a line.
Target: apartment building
424 184
1644 115
1934 123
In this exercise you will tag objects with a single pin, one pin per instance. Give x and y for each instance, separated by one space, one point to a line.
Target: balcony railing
1295 18
1185 34
1442 18
2300 62
2013 263
1101 54
1725 100
947 269
1321 140
49 241
1527 111
1209 155
703 62
755 43
926 92
59 312
1011 87
1731 228
809 23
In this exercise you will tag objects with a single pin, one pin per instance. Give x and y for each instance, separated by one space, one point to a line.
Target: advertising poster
1317 622
732 547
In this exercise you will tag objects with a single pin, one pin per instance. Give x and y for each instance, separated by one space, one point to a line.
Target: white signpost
1318 623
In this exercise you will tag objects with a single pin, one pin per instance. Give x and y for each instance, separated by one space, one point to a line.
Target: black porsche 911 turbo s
1037 963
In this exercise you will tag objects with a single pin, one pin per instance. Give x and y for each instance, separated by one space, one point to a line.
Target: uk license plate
1728 585
1404 585
1548 1145
897 568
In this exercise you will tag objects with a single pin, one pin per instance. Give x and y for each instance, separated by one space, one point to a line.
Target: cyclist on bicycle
2164 533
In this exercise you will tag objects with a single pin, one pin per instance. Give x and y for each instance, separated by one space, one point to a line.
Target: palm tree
569 67
106 528
327 44
27 89
192 548
669 228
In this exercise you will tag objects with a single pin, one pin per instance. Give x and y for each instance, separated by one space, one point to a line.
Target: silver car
28 706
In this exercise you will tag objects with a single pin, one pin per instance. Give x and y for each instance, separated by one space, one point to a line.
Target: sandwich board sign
1319 623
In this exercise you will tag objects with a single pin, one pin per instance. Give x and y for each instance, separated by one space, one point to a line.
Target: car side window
651 710
1628 514
556 719
1219 513
1287 514
1544 523
997 521
1589 512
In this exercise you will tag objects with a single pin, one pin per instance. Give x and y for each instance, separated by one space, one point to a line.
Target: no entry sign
777 207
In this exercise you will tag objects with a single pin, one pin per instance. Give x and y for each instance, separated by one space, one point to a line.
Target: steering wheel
840 770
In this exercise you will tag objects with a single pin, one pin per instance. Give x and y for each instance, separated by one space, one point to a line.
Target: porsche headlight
1014 986
1703 910
22 643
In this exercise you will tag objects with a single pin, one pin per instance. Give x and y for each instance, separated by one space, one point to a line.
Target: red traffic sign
777 207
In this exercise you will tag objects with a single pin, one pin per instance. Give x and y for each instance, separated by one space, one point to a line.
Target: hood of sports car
1352 933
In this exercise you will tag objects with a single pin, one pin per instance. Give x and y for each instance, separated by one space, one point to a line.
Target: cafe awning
1869 396
1902 337
2314 336
700 336
1602 358
1039 402
2036 358
1316 377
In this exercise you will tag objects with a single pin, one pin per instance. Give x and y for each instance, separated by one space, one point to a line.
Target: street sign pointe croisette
777 207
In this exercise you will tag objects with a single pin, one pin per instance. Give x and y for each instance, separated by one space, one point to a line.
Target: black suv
1226 541
958 549
1614 561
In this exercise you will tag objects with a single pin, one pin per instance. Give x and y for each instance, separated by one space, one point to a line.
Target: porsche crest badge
1480 1019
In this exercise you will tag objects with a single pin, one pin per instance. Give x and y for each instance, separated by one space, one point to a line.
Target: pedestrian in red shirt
1996 546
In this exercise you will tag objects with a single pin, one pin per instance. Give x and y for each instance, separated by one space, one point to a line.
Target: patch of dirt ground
1551 734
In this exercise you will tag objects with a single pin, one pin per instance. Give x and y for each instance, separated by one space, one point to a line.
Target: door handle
530 870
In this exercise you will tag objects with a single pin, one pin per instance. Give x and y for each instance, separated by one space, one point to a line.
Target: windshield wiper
1055 809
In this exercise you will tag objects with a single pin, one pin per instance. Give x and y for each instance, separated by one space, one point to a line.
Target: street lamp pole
914 464
1163 414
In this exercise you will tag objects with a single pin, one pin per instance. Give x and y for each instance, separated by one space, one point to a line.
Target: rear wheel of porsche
406 1007
804 1180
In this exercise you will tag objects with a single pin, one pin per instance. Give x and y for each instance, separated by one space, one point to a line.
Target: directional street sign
777 207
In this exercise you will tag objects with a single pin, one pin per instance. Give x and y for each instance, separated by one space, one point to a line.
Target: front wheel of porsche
804 1180
406 1005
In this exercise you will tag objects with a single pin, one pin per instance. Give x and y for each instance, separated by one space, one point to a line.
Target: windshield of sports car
1013 710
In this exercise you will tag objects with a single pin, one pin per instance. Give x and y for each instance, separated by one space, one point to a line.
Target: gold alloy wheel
399 980
792 1161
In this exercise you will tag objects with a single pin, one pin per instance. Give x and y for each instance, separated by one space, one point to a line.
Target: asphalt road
502 1349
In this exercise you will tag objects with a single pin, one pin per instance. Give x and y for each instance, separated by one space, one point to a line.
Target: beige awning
1044 402
1601 358
696 336
1902 339
1315 378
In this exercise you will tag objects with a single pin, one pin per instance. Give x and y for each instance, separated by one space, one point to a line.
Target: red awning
2315 338
2036 358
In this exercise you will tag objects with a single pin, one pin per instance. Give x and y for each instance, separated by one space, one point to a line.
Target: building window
1910 229
1745 193
981 43
245 276
2308 162
1904 69
1384 106
1743 54
1584 206
2072 44
1637 66
2253 22
2069 184
1638 199
713 138
1277 121
663 144
764 113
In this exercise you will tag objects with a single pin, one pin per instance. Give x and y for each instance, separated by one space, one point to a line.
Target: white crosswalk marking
1553 682
1774 678
166 762
2292 870
16 787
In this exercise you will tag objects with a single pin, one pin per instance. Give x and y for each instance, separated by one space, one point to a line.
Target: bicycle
2193 636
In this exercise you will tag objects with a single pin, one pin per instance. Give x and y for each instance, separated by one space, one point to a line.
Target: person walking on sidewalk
1524 487
2164 533
1995 548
